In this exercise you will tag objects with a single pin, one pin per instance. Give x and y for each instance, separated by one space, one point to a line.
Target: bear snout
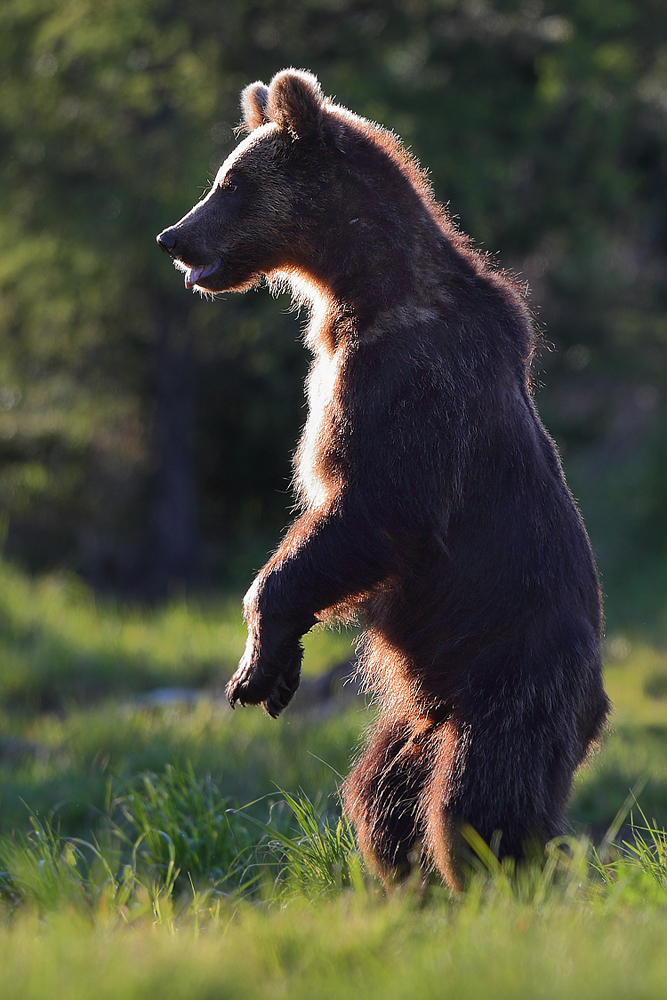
167 241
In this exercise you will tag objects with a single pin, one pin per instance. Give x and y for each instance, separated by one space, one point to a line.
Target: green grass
67 761
346 950
633 748
193 851
88 922
58 644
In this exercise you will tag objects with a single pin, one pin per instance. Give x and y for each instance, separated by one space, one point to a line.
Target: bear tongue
195 273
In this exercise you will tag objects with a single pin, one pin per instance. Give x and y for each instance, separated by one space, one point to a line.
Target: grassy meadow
152 841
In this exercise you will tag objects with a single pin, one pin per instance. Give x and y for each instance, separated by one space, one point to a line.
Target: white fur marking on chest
320 390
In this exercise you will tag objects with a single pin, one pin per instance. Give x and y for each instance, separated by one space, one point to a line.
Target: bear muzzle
167 240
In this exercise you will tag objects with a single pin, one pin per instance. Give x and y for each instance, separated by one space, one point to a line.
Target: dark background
145 433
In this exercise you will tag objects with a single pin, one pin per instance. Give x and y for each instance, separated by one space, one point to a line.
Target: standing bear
433 504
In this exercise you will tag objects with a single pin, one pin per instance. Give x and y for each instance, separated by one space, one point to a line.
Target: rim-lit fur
432 499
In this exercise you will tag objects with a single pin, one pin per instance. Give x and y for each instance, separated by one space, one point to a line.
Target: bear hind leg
503 784
381 797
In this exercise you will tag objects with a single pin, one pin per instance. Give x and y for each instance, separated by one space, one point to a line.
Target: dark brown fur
433 502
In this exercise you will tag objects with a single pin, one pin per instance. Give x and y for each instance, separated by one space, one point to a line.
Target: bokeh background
146 434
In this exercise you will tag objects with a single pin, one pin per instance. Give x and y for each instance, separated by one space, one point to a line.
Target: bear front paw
269 681
281 695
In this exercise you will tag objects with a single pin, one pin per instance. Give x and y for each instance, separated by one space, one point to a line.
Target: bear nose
167 241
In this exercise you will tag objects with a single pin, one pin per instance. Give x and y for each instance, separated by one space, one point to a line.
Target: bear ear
296 103
254 100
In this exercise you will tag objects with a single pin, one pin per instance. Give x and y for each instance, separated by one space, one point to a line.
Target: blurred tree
135 418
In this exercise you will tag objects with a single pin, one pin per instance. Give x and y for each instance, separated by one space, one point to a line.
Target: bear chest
320 456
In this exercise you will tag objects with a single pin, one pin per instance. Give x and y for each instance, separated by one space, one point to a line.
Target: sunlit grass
65 761
345 948
117 922
636 680
149 847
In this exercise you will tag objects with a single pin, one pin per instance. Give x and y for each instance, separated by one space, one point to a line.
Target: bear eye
229 187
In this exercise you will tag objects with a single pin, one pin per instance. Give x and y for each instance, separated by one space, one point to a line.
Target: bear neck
358 292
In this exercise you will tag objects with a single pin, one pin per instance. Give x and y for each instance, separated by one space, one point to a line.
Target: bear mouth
195 275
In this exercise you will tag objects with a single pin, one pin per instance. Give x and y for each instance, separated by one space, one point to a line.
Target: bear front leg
325 558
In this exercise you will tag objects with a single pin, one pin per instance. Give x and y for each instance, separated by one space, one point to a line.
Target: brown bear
433 504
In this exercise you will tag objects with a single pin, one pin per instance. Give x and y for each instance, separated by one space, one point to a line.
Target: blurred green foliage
543 125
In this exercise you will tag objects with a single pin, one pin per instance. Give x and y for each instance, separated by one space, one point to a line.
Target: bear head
289 196
260 213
